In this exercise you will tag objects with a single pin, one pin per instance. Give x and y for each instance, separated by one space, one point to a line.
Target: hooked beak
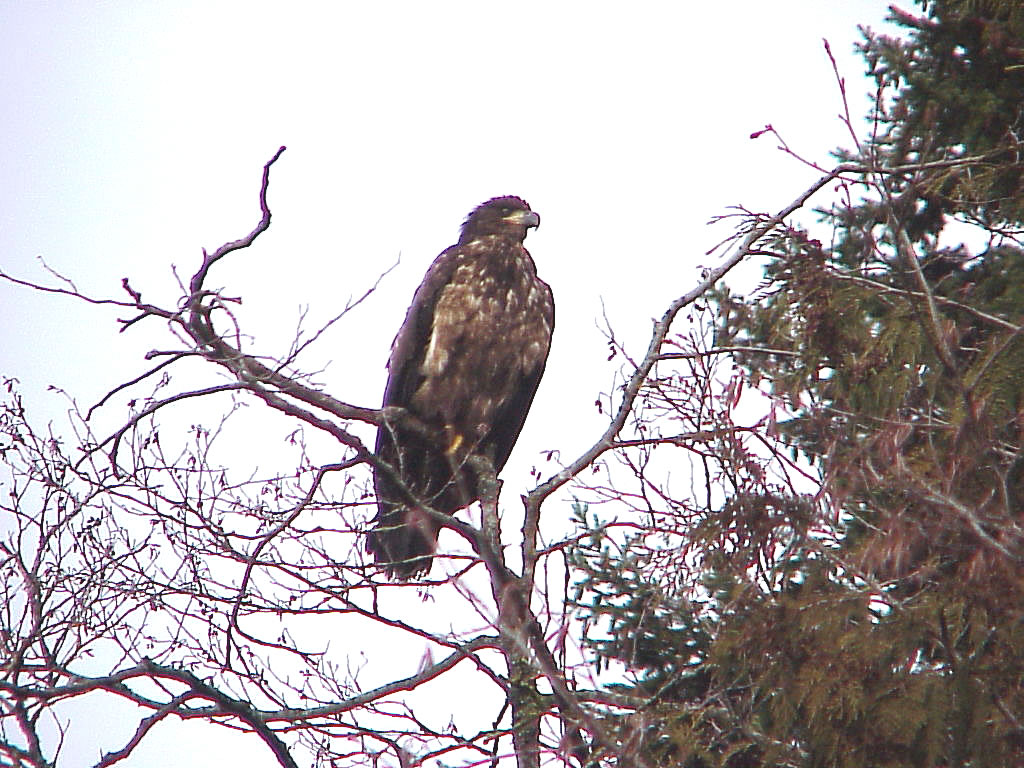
526 218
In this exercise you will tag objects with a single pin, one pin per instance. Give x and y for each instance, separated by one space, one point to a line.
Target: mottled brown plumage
465 366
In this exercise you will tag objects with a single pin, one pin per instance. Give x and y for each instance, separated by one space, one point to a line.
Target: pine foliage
877 617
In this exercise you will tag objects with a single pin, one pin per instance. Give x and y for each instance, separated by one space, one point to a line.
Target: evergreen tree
876 616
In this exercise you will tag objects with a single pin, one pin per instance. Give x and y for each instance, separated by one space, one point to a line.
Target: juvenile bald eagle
465 366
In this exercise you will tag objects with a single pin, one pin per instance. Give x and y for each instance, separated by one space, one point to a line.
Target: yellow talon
456 442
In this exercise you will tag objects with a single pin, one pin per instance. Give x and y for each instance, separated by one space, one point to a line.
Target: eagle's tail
402 540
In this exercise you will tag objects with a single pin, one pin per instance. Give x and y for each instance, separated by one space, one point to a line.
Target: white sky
133 134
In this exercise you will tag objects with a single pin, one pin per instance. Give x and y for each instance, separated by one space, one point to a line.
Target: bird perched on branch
464 367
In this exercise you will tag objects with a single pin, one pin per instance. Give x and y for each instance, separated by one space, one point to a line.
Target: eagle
464 369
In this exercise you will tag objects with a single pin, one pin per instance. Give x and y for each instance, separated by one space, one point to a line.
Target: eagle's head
508 216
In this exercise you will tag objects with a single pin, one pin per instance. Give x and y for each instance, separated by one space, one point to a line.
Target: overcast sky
134 133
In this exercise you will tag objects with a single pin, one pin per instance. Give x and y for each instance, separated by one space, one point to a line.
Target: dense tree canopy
870 613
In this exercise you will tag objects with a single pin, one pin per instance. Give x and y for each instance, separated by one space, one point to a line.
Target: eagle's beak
526 218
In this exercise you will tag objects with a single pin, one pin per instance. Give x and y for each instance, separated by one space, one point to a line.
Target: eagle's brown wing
403 538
